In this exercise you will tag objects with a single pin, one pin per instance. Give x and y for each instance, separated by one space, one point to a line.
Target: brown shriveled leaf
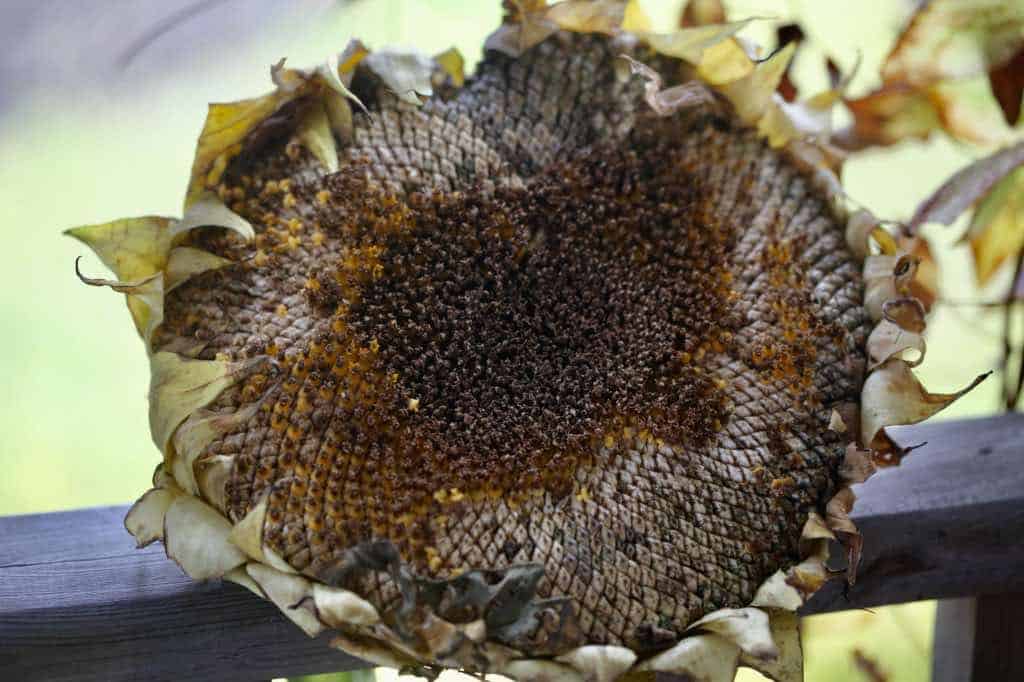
949 39
966 186
888 115
784 35
997 228
941 75
1007 84
893 396
869 666
925 287
702 13
668 101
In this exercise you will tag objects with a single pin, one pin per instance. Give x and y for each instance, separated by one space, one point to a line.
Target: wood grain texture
78 602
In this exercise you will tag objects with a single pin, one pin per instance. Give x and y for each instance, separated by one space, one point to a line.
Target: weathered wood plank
946 523
78 602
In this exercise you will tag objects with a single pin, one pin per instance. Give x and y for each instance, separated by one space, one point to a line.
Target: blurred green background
87 138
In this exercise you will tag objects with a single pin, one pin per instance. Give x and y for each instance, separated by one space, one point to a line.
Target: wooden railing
78 602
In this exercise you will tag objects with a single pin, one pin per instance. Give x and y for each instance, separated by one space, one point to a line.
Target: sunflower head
564 369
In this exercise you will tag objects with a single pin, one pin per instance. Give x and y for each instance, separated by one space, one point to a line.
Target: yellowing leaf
725 62
226 127
634 18
247 534
452 63
179 387
997 228
588 16
689 44
208 210
752 94
315 134
133 248
186 262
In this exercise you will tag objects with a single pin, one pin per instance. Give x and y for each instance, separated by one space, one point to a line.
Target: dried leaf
967 186
689 44
949 39
725 62
286 591
702 13
753 94
859 227
886 278
337 607
180 386
212 474
891 114
145 520
230 126
670 100
600 663
226 127
634 19
186 262
900 330
407 74
784 35
133 248
197 431
247 534
858 465
997 227
893 396
746 628
785 633
145 299
709 658
1007 84
239 576
588 16
452 63
196 538
314 132
207 210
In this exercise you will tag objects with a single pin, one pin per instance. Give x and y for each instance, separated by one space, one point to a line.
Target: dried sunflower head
555 371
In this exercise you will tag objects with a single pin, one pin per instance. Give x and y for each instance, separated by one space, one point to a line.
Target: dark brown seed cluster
523 328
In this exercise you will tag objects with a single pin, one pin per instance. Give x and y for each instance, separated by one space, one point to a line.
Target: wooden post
979 639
